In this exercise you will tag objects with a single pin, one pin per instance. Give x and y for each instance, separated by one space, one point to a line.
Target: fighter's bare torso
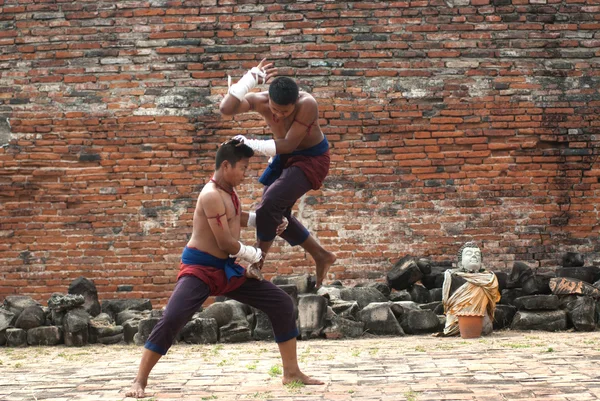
280 127
202 235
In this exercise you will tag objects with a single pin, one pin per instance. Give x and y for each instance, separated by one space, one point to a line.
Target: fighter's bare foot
136 390
254 272
323 265
300 377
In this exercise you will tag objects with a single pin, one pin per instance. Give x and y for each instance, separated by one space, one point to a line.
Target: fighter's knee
269 206
287 307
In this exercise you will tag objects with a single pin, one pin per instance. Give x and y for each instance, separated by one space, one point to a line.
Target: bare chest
278 126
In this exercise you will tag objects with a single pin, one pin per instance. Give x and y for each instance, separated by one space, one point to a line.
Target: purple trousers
277 201
191 292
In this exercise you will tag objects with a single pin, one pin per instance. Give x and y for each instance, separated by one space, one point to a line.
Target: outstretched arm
238 99
248 219
307 114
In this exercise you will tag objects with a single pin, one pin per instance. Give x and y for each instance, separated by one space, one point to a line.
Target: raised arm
238 99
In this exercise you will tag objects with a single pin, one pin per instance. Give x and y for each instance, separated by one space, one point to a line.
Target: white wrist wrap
246 83
248 253
263 147
251 219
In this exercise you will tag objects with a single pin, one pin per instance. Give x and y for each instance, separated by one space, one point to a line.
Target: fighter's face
236 174
280 111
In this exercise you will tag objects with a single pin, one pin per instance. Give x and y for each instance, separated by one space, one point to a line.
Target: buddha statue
469 291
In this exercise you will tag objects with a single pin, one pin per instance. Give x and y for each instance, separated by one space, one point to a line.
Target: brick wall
449 120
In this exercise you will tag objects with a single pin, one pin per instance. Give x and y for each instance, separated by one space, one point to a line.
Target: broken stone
379 319
503 316
46 335
312 310
397 296
16 337
220 311
114 306
329 292
424 265
263 329
582 313
509 295
419 322
109 340
234 333
75 326
435 294
435 279
340 327
567 286
144 329
419 294
573 259
404 273
200 331
304 282
520 272
537 283
62 303
587 274
362 295
16 303
537 302
86 288
6 317
555 320
382 288
31 317
346 309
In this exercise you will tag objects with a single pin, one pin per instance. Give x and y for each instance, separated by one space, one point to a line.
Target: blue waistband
191 256
274 169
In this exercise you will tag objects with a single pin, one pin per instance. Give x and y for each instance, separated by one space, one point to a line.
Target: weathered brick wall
449 121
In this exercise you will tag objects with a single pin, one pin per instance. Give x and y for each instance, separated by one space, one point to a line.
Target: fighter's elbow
228 245
226 109
223 110
285 147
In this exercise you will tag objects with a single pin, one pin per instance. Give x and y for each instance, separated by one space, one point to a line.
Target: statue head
469 257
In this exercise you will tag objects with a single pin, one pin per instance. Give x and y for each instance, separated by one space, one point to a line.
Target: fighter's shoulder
306 102
258 97
306 99
210 195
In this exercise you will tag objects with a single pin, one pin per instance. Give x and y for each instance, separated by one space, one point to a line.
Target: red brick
95 146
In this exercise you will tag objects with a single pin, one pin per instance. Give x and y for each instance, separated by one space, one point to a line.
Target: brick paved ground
504 366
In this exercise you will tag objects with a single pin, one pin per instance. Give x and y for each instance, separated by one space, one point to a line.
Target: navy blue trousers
277 201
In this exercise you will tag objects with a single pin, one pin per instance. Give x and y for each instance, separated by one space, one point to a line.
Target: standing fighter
208 268
300 157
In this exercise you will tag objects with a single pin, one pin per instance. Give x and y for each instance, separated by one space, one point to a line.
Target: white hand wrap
264 147
246 83
251 219
248 253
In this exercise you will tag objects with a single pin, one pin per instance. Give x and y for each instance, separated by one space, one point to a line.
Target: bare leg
291 370
323 258
149 359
